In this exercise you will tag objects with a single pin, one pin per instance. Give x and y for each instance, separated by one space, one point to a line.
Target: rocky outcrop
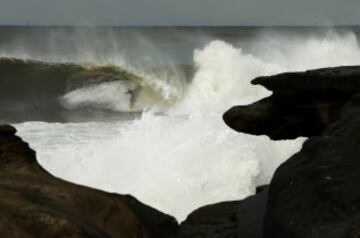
228 219
315 193
302 104
33 203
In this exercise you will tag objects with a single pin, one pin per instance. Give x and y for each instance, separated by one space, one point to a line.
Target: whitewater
178 155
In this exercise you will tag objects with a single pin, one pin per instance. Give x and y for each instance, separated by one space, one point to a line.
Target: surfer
133 96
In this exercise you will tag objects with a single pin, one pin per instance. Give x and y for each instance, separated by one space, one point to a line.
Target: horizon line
175 26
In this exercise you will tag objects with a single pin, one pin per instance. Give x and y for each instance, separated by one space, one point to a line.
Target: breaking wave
63 88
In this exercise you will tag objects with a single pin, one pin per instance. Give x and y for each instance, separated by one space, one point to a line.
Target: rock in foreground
33 203
243 219
316 193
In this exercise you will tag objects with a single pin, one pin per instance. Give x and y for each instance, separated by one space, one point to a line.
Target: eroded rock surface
33 203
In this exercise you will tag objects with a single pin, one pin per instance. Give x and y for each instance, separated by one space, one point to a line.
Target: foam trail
188 158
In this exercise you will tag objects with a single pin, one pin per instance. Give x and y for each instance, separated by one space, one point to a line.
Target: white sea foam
175 164
188 158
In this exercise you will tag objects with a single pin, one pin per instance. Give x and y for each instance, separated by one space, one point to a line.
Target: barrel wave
66 91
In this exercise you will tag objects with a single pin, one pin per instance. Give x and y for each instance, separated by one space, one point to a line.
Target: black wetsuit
133 95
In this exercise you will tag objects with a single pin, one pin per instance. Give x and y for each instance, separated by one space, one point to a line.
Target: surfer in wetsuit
133 95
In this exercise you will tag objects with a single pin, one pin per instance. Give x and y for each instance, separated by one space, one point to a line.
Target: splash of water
224 71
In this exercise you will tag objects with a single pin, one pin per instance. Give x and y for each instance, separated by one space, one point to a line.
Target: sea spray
224 72
222 78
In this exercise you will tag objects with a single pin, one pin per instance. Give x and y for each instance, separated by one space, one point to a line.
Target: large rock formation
316 193
33 203
302 104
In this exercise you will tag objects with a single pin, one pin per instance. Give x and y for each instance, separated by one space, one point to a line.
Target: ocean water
71 99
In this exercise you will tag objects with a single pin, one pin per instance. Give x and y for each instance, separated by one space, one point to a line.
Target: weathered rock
302 104
316 193
228 219
33 203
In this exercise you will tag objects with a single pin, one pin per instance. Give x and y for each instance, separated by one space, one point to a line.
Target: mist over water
186 157
224 71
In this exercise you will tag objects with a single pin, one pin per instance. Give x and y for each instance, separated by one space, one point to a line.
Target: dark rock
316 193
302 104
33 203
281 117
251 214
228 219
339 80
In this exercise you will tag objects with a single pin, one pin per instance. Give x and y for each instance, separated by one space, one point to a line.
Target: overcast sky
180 12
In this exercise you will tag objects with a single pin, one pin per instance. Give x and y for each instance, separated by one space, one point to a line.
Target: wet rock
34 203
